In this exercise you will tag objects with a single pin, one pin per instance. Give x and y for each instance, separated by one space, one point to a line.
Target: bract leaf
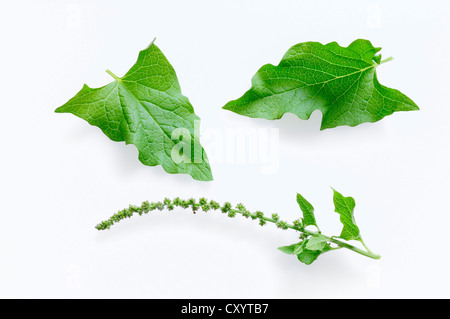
308 256
308 211
344 206
317 242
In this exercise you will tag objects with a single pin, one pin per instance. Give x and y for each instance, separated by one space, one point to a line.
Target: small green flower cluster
304 252
202 204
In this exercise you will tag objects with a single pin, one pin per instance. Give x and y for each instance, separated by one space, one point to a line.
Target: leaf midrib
325 82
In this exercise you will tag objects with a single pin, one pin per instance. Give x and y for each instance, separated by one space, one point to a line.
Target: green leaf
317 242
146 108
308 211
344 206
308 256
309 250
292 249
288 249
340 82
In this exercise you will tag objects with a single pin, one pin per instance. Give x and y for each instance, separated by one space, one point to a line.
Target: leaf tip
227 107
413 106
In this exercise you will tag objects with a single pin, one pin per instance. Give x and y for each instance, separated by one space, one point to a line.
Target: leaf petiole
113 75
386 60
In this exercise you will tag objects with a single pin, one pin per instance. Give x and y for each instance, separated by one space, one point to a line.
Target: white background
59 176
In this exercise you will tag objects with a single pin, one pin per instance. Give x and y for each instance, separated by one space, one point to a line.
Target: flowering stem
227 208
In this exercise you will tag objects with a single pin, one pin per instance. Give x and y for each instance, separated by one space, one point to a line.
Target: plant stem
113 75
146 207
333 240
386 60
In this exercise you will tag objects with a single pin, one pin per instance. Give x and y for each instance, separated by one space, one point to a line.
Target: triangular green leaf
340 82
146 108
308 211
344 206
